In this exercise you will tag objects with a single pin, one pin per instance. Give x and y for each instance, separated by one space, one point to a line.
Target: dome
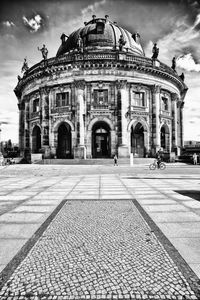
101 34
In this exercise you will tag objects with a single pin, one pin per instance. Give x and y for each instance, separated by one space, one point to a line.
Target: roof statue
25 66
44 51
63 38
174 63
80 44
122 42
136 37
155 51
182 76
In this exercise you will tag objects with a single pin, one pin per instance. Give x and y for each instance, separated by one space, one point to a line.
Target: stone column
123 150
21 107
80 150
181 123
26 126
156 118
174 123
44 96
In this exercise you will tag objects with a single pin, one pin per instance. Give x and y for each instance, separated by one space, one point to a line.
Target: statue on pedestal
155 51
182 76
44 51
25 66
173 64
63 38
80 44
122 42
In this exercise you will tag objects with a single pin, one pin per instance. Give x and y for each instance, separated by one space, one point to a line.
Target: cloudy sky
27 24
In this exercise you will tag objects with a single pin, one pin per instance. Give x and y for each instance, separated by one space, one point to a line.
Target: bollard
131 159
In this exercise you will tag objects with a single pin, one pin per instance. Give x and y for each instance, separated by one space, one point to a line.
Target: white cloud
8 24
34 24
182 37
92 8
187 63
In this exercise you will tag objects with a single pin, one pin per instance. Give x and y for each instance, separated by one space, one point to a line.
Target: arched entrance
36 139
64 141
137 140
164 138
101 140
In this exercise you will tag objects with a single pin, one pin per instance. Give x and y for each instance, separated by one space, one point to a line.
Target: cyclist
159 158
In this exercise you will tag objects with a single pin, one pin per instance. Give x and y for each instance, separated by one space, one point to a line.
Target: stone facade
98 101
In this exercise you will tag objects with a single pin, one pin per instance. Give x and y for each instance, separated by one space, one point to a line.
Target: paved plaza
99 232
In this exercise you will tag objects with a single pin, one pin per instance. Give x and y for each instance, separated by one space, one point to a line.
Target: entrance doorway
137 140
36 139
164 138
101 140
64 141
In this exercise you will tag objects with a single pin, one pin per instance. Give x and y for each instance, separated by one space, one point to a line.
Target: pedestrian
195 158
115 160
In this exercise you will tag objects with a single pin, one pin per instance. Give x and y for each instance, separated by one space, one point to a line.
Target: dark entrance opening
137 140
64 141
164 138
36 139
101 140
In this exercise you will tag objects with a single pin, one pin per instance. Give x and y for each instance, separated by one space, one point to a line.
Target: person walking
195 158
115 160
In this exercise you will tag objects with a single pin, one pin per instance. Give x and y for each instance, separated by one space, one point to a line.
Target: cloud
33 24
8 24
183 40
92 8
187 63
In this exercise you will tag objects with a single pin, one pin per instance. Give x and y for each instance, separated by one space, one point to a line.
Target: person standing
115 160
195 158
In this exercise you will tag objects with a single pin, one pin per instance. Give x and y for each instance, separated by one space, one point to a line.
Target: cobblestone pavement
98 250
99 243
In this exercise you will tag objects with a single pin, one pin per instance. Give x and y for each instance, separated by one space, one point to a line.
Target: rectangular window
36 105
164 104
62 99
100 97
138 99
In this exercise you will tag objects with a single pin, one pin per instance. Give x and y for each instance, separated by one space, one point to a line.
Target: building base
80 152
123 151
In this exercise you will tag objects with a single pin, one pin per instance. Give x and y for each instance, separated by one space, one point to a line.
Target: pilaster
80 151
123 147
174 98
156 117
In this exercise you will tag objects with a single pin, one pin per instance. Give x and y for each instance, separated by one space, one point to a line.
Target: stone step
95 161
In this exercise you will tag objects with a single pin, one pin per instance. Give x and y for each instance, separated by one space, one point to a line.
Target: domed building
100 96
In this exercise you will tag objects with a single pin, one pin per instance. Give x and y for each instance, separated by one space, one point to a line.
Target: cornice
99 61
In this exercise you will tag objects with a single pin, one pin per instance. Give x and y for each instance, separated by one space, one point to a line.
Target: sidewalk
27 202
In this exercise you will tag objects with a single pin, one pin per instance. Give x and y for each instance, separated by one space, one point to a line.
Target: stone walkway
97 239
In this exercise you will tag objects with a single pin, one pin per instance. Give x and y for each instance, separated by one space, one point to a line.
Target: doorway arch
164 138
36 139
64 148
137 140
101 144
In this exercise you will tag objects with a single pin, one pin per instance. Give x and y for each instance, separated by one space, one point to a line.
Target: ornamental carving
174 97
165 121
100 84
79 84
156 88
45 90
121 84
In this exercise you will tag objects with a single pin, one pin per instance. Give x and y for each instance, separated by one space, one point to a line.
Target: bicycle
155 165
